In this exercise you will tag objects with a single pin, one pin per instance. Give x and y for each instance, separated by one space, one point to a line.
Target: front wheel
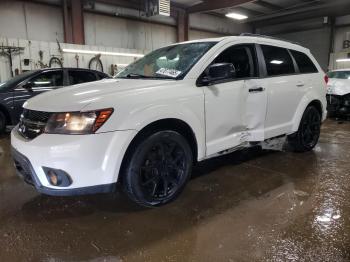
158 169
306 138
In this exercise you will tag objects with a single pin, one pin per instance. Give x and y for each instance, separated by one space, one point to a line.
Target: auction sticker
169 72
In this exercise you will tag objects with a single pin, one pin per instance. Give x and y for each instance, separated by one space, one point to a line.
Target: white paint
30 21
126 33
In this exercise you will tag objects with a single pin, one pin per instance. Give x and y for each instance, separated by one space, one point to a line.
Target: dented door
255 107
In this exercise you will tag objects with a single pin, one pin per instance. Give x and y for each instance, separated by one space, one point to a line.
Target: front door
43 82
235 107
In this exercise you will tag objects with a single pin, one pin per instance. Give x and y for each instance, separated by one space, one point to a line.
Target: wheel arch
299 114
172 124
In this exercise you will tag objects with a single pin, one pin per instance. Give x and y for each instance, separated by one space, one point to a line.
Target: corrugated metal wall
317 40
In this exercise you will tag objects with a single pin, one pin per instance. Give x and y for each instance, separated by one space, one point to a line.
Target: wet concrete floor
247 206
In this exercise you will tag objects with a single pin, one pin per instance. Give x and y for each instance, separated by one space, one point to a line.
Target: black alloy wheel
306 138
159 169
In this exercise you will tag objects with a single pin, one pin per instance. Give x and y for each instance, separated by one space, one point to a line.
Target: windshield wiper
133 75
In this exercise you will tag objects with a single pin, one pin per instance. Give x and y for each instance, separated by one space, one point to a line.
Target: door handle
258 89
300 84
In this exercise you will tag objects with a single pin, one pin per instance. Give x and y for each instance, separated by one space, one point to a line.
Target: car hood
338 86
77 97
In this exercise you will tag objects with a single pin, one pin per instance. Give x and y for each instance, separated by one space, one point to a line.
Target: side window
304 63
278 61
48 79
80 76
243 58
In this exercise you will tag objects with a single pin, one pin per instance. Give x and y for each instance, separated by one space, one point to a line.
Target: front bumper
338 104
92 161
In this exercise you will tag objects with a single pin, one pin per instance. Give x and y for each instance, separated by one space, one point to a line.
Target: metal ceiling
268 11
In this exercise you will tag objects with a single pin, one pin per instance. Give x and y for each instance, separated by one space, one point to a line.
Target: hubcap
162 170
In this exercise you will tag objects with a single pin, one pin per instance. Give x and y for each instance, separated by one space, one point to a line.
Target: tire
55 62
95 63
2 123
306 138
158 168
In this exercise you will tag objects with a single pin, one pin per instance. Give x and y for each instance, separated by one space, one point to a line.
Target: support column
67 26
182 26
77 22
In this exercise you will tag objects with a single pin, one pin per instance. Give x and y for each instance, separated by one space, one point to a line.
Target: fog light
57 177
53 178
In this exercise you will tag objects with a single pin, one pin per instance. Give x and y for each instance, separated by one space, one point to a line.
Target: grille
36 115
32 123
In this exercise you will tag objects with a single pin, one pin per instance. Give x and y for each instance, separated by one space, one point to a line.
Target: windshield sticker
169 72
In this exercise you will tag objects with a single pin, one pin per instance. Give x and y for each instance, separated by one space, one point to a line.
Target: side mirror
28 86
216 73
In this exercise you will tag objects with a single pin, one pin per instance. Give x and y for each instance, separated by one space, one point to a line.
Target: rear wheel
158 169
306 138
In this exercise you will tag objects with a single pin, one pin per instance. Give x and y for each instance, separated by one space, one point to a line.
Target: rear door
42 82
80 76
283 90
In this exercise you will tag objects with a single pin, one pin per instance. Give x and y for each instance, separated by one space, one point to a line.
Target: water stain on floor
251 205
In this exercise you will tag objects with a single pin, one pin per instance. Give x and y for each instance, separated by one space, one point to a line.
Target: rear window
304 63
339 74
278 61
81 76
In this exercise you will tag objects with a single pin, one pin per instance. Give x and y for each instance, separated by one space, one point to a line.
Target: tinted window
278 61
304 62
339 74
243 59
47 79
81 76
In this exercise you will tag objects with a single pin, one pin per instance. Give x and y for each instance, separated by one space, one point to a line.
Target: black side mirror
217 73
28 86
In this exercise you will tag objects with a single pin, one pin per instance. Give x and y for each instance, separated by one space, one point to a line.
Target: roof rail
269 37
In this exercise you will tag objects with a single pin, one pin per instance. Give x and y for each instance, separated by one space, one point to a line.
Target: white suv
177 105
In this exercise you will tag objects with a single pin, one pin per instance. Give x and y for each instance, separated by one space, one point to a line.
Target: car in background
14 92
338 93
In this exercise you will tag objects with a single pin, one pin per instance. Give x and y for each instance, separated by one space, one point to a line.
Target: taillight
326 78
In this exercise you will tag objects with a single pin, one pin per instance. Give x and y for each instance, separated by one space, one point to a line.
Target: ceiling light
236 16
80 51
343 60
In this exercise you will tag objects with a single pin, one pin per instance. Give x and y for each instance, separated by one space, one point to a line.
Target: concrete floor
255 206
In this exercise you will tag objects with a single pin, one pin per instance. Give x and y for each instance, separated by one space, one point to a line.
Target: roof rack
269 37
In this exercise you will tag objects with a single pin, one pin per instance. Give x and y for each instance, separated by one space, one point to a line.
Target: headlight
77 123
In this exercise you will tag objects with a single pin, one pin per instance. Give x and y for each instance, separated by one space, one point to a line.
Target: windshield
15 80
171 62
339 74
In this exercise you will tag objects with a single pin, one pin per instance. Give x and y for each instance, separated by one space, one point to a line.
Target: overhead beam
268 5
215 5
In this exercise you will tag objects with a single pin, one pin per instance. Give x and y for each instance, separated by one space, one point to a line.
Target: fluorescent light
80 51
236 16
343 60
276 62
